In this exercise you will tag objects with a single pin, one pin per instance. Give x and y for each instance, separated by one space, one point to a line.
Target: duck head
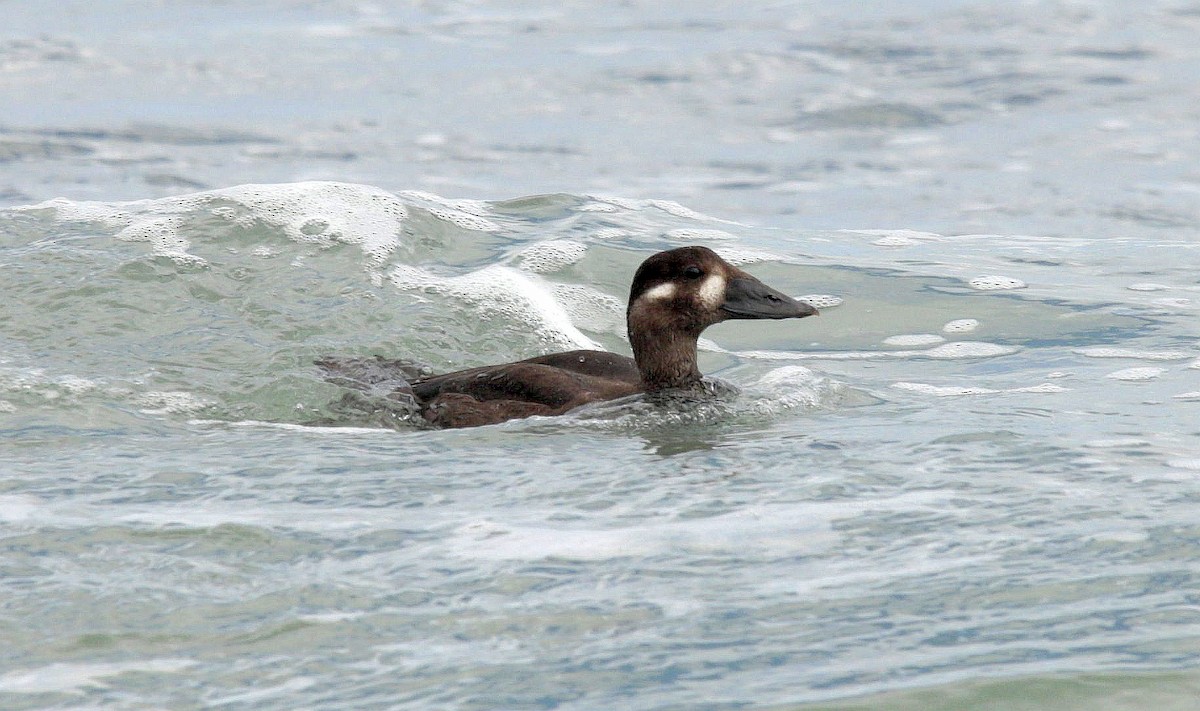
678 293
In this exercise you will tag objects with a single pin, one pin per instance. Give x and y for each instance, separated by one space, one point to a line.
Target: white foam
1132 354
7 407
799 531
950 391
913 339
170 402
551 255
599 311
63 676
689 234
306 212
673 208
1136 374
969 349
597 207
947 351
738 256
790 387
821 301
962 325
898 238
1195 395
995 283
503 289
1148 287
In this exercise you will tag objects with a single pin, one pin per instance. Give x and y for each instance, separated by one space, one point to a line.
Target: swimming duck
675 295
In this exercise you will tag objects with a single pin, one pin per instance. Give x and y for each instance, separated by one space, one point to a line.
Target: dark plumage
675 295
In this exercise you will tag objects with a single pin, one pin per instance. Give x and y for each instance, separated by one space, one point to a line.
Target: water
970 483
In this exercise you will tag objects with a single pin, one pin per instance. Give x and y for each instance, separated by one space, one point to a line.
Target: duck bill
750 298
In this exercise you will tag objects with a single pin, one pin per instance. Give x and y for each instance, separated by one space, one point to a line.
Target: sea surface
972 483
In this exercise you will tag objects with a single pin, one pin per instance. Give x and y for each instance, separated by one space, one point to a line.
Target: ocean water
972 482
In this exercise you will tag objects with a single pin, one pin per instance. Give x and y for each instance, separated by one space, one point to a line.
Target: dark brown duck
675 296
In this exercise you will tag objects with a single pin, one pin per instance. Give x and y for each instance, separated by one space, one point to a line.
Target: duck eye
693 272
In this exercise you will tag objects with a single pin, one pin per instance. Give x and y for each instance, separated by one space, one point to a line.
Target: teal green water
970 483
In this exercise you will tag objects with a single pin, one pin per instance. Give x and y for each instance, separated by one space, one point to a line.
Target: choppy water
971 483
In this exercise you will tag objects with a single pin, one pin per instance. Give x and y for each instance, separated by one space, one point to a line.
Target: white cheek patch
662 292
712 291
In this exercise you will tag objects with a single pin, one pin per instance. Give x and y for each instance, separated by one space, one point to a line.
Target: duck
675 295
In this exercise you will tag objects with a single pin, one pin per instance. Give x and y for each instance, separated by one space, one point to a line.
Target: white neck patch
662 292
712 291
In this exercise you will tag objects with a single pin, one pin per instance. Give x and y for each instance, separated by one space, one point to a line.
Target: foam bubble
597 207
943 391
551 255
913 339
464 220
689 234
170 402
600 311
673 208
821 301
995 283
1181 396
502 289
962 325
1132 354
326 212
950 391
969 349
63 677
740 256
1136 374
898 238
1148 287
306 212
7 407
1194 365
790 387
610 233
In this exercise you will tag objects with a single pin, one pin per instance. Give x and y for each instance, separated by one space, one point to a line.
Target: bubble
673 208
550 255
689 234
740 256
913 339
969 349
464 220
791 387
943 391
898 238
597 207
950 391
821 301
609 233
499 288
596 310
7 407
962 325
1132 354
995 283
170 402
1136 374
